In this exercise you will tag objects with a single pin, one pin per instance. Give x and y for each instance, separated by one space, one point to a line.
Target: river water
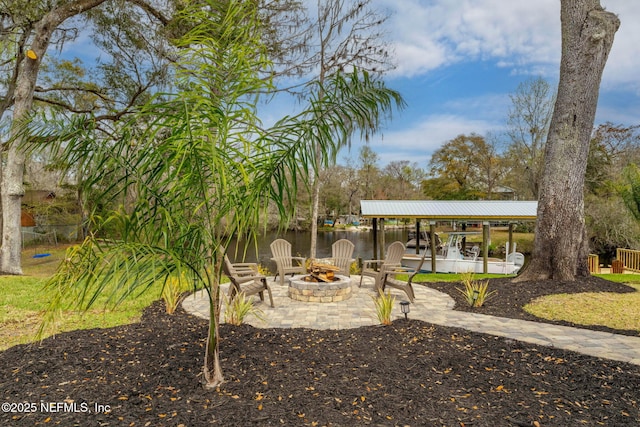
301 242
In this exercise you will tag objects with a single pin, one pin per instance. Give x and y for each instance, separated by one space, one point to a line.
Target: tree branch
64 105
151 11
73 89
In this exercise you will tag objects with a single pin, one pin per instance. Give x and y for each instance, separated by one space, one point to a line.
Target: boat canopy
483 211
437 210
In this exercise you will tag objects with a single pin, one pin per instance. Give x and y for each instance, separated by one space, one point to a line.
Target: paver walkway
430 306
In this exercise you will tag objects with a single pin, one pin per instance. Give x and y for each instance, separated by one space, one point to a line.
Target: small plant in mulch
475 292
174 288
239 308
384 304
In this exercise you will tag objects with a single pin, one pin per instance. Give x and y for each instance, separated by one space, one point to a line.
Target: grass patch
23 301
629 279
617 311
450 277
42 267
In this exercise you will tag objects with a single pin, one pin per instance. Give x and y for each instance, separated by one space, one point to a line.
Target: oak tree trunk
12 174
11 180
560 246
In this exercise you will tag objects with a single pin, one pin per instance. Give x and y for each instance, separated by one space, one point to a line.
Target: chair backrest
395 252
341 252
281 250
227 268
418 267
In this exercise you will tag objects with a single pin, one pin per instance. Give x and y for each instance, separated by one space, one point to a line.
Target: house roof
478 210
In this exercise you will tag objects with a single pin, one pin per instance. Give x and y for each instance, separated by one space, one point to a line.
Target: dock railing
630 259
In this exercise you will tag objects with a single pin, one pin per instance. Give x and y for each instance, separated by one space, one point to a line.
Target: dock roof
470 210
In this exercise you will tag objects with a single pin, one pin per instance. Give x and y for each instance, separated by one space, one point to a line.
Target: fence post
617 267
594 264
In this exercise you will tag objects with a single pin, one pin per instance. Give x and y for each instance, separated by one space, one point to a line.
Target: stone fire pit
303 288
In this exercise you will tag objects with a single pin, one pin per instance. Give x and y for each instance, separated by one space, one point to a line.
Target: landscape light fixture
404 307
475 296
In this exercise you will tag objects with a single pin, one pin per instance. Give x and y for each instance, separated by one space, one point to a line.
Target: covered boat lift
483 211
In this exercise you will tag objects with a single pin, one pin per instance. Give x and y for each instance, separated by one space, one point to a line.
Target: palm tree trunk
314 216
212 369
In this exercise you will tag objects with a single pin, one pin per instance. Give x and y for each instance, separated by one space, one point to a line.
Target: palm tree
196 167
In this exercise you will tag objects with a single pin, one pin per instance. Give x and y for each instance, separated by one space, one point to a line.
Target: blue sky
458 61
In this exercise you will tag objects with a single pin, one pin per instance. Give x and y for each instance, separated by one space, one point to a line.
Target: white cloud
418 58
617 115
418 142
623 62
428 35
523 35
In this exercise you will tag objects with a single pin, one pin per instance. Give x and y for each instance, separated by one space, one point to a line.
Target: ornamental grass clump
239 308
384 304
475 292
172 292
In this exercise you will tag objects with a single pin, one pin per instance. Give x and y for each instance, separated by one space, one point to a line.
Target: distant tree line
475 167
493 167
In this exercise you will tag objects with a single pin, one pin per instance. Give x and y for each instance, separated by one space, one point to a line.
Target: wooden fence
630 259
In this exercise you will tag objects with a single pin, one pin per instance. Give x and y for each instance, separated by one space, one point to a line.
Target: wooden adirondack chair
245 279
375 268
341 255
389 278
281 254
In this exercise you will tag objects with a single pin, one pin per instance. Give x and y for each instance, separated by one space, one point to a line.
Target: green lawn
618 311
450 277
23 301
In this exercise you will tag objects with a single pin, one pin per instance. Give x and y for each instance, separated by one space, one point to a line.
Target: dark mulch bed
410 373
511 297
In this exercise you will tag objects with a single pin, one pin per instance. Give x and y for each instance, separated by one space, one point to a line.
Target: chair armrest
398 270
391 267
395 270
244 273
244 268
300 259
243 265
244 279
371 262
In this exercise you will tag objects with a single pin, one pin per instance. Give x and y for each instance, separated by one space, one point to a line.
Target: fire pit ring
303 290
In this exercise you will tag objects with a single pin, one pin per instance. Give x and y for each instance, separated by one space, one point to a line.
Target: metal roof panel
450 209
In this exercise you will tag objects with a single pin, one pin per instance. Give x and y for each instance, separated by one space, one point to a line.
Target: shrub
476 293
384 304
353 268
239 308
172 292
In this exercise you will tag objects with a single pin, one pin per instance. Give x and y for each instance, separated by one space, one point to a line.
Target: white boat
451 259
